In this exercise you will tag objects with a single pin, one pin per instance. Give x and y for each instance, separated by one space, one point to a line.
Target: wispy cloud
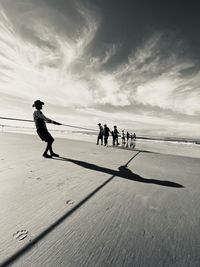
39 58
153 77
41 64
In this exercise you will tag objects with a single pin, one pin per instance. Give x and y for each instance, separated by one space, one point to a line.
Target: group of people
104 133
126 137
40 122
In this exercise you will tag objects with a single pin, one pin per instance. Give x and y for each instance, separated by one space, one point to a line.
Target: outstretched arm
51 121
57 123
39 114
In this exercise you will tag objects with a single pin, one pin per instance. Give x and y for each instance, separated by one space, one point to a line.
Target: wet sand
98 206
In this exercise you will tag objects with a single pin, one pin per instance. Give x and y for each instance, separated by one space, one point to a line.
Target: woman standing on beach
41 128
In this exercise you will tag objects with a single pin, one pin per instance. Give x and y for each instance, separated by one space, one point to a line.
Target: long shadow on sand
123 172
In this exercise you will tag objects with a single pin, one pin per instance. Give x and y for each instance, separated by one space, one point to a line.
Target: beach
98 206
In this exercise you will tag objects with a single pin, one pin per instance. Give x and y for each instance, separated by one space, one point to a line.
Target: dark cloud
190 71
129 23
125 23
141 109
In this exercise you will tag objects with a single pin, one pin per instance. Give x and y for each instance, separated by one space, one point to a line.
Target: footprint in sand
70 202
21 234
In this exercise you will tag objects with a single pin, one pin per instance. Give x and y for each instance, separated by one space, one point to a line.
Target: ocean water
60 133
181 147
186 149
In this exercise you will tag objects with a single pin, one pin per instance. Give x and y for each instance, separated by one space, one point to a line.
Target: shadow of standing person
122 172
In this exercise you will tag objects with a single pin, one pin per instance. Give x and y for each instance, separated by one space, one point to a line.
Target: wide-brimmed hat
99 124
37 102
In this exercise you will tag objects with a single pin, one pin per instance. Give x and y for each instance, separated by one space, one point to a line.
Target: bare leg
49 148
51 151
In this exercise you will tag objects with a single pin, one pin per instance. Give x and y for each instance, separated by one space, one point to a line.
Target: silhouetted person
115 136
40 123
100 135
134 136
106 134
131 136
123 138
127 138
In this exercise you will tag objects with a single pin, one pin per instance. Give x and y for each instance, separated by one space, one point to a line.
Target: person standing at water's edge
106 134
40 123
100 135
115 135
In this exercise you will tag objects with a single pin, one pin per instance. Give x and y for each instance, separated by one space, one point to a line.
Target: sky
134 64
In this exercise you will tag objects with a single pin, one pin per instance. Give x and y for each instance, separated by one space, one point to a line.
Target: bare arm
40 115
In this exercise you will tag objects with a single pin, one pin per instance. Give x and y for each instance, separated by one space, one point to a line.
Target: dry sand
98 206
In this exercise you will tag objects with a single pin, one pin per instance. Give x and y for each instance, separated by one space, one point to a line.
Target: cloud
154 78
170 91
49 54
41 62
